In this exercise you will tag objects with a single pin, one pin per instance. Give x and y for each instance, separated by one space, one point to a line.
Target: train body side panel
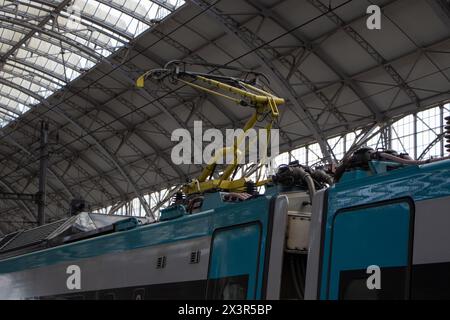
108 272
431 252
125 264
368 236
426 186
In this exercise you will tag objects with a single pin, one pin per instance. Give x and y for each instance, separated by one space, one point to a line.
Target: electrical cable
410 162
139 52
176 89
118 66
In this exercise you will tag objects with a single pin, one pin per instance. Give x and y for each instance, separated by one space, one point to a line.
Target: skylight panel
75 39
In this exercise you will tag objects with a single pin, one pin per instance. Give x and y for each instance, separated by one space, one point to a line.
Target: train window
377 234
357 290
107 296
232 288
139 294
235 251
353 285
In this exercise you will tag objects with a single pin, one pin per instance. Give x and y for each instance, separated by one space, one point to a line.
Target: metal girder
90 26
151 187
50 57
194 56
35 72
150 143
59 179
389 62
323 57
381 61
162 3
158 103
27 209
129 12
30 77
27 92
36 27
112 158
442 9
27 152
91 165
144 121
61 28
361 123
130 106
368 133
251 41
5 116
92 19
49 33
9 109
438 138
160 62
45 38
103 149
47 72
308 46
40 28
18 196
14 98
74 154
116 207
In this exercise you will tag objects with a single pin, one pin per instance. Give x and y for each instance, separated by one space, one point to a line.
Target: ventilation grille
195 257
7 238
161 262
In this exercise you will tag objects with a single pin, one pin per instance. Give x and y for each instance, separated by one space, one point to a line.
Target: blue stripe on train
416 182
187 227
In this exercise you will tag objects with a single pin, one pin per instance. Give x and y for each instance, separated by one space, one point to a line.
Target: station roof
114 141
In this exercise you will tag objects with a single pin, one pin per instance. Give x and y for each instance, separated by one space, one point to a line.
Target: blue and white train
304 238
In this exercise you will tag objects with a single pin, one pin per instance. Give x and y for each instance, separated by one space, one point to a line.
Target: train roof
82 226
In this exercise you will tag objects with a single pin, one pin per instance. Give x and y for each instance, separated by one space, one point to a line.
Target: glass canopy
45 44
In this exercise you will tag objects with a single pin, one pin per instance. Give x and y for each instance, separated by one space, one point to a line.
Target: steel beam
7 187
48 39
18 196
442 9
27 152
85 132
322 56
381 61
40 28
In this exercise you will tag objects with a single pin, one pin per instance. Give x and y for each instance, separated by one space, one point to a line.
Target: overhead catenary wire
81 89
105 74
171 91
157 99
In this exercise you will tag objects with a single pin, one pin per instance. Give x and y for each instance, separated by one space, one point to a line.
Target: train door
233 268
370 256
